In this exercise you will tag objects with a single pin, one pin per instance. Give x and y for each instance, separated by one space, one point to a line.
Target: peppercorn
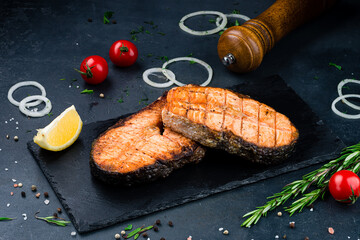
59 210
156 228
171 224
20 185
33 188
113 21
279 214
46 194
7 136
37 195
55 215
16 138
306 238
162 238
101 95
117 236
158 222
226 232
123 232
145 235
89 19
15 185
23 194
292 224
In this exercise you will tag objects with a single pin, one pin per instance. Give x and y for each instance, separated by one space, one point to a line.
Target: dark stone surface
45 40
116 204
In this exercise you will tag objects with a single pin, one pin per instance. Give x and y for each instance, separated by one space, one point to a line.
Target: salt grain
17 128
276 236
311 209
5 121
14 180
24 216
8 205
220 229
69 86
16 123
47 201
16 162
73 233
6 169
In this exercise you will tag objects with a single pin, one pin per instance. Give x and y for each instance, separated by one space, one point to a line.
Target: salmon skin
138 149
220 118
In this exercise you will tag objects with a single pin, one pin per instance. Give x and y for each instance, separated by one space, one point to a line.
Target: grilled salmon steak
138 149
220 118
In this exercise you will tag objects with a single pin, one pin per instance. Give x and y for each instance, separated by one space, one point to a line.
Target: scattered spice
20 185
55 215
37 195
306 238
226 232
87 91
15 185
59 210
145 235
11 193
101 95
46 201
292 224
279 214
156 229
331 230
158 222
23 194
117 236
33 188
46 194
51 220
335 65
89 20
162 238
7 136
113 21
16 138
171 224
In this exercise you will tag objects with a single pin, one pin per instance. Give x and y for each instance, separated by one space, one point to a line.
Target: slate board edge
256 178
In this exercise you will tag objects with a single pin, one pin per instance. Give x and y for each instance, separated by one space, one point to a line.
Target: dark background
44 40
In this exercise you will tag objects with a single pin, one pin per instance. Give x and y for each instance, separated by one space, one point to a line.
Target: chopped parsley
126 92
129 227
316 78
192 62
133 37
161 33
146 31
120 100
87 91
144 100
62 79
190 55
237 23
150 23
50 114
163 58
149 55
107 16
236 11
212 20
335 65
346 87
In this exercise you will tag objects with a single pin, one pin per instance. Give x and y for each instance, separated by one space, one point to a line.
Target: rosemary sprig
52 220
349 160
136 233
6 219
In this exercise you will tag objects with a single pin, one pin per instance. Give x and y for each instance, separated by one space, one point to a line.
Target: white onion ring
22 84
207 66
340 86
41 113
203 33
344 115
155 84
233 15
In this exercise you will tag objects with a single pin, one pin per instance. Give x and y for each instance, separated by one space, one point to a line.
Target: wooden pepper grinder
242 48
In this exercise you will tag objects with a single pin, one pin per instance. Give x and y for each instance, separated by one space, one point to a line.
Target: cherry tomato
344 186
123 53
94 69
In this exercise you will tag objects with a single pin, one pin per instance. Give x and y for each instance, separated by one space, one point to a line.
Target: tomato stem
123 49
87 72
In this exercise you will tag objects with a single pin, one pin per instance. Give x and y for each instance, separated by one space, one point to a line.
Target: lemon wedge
61 132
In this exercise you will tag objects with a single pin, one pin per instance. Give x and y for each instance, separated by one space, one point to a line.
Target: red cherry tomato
94 69
344 186
123 53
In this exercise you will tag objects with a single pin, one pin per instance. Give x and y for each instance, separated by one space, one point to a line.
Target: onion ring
344 115
155 84
207 66
233 15
22 84
41 113
203 33
340 86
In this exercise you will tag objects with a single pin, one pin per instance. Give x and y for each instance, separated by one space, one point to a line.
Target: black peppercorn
113 21
156 228
158 222
55 215
59 210
23 194
171 224
162 238
306 238
145 235
89 19
46 194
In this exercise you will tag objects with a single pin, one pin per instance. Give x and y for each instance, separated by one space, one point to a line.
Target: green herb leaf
146 31
161 33
163 58
50 114
212 21
126 92
316 78
237 23
150 23
190 55
221 32
120 100
53 220
346 87
87 91
335 65
235 11
133 37
133 233
149 55
143 100
6 219
136 236
107 16
62 79
192 62
129 227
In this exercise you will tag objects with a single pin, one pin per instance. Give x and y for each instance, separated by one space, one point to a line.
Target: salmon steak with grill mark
138 149
220 118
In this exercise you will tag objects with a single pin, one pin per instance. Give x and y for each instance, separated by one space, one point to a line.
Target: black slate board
84 197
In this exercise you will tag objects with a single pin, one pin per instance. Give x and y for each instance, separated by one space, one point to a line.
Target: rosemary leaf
133 233
6 219
335 65
53 220
87 91
129 227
